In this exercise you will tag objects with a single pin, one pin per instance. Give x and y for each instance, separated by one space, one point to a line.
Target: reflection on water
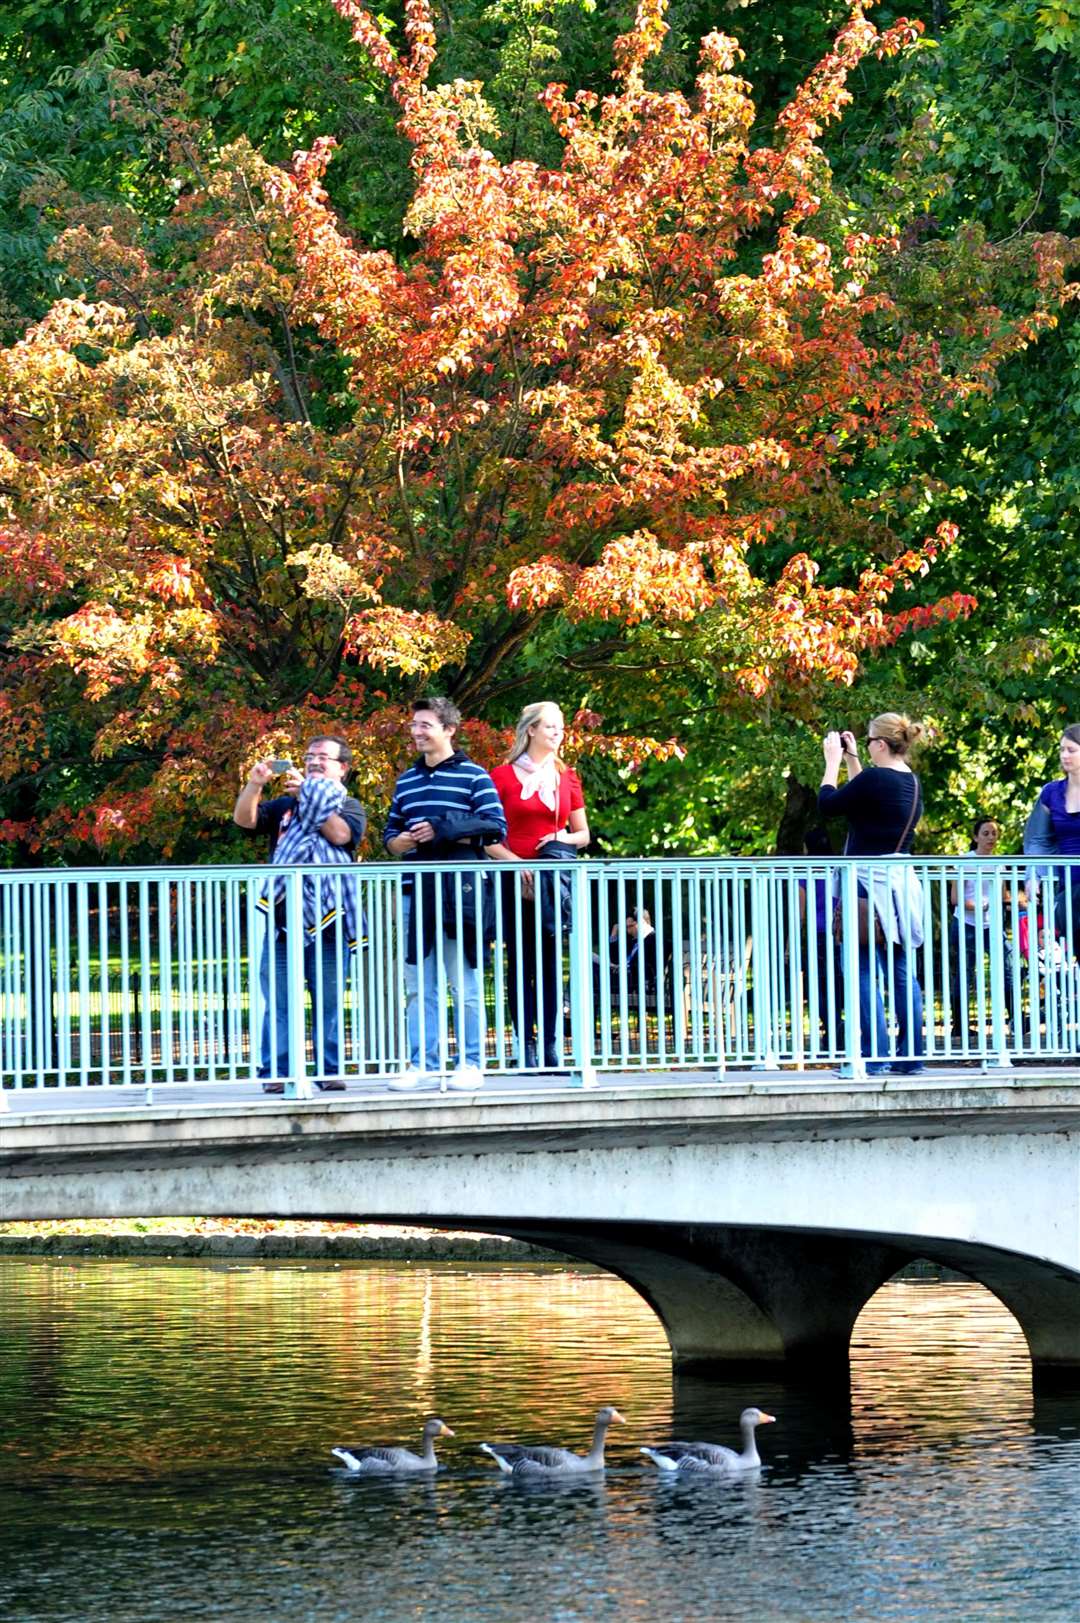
165 1428
917 1335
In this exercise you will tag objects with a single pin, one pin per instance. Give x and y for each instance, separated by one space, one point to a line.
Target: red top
528 821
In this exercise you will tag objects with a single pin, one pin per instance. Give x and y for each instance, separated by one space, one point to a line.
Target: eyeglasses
321 760
873 738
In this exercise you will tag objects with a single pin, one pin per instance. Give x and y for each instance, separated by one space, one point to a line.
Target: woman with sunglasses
882 805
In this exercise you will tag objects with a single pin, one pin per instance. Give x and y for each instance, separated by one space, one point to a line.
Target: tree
612 405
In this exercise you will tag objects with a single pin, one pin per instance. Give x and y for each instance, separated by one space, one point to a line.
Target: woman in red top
542 799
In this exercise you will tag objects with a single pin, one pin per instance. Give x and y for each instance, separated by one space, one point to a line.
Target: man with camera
313 822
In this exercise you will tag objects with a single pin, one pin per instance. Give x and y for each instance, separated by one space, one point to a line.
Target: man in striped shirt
445 809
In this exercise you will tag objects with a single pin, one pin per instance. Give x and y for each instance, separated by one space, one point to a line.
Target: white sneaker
409 1079
466 1078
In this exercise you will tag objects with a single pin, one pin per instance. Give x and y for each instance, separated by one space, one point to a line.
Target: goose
713 1457
517 1460
375 1461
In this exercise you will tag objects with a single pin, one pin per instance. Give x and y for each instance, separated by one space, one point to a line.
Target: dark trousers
827 952
524 969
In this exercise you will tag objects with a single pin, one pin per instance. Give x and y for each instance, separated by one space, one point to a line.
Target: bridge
757 1218
716 1140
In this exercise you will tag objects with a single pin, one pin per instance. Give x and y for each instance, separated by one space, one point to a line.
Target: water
164 1437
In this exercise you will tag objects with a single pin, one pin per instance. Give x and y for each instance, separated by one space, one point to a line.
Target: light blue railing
153 976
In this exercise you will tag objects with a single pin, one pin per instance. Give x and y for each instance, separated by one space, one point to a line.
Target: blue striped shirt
456 787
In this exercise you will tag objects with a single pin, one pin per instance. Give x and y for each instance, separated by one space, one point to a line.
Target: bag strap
907 826
911 817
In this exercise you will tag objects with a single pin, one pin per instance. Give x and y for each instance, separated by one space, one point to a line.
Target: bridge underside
735 1301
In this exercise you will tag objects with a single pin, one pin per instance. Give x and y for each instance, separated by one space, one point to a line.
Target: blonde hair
897 731
528 719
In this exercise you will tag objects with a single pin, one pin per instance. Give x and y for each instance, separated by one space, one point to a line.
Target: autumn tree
259 477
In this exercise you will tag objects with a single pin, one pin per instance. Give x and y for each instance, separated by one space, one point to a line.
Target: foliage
640 403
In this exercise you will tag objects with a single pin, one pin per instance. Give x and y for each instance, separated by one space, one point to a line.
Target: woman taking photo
1053 830
544 808
882 805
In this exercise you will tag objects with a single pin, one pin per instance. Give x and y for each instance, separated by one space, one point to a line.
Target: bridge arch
736 1302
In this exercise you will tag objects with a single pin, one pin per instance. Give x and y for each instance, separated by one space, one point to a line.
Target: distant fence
148 976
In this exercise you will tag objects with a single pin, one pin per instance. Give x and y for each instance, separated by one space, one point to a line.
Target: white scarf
538 778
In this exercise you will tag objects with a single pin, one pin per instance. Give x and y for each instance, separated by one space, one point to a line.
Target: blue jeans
911 1043
325 1010
423 992
540 1024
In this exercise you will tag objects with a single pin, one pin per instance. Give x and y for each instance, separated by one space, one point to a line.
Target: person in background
1053 830
882 805
544 806
969 925
314 821
637 950
444 809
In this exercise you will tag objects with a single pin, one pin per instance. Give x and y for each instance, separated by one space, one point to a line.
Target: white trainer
466 1078
409 1079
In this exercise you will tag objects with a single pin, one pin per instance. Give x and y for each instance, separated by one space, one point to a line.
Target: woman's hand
832 748
528 885
850 747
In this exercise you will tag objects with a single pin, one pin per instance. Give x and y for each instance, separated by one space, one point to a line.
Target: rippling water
164 1437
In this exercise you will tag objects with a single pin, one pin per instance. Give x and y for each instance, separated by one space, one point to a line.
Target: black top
877 805
272 813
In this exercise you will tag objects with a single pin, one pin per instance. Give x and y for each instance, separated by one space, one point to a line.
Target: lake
165 1431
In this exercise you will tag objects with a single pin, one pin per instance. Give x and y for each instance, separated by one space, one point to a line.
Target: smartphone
278 767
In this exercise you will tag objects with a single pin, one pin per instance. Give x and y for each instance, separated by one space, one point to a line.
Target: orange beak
446 1432
620 1418
766 1419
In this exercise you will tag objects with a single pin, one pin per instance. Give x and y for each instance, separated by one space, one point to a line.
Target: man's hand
260 774
246 810
410 839
293 781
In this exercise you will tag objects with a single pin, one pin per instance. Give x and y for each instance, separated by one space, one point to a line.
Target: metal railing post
765 1055
583 1069
854 1065
998 995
